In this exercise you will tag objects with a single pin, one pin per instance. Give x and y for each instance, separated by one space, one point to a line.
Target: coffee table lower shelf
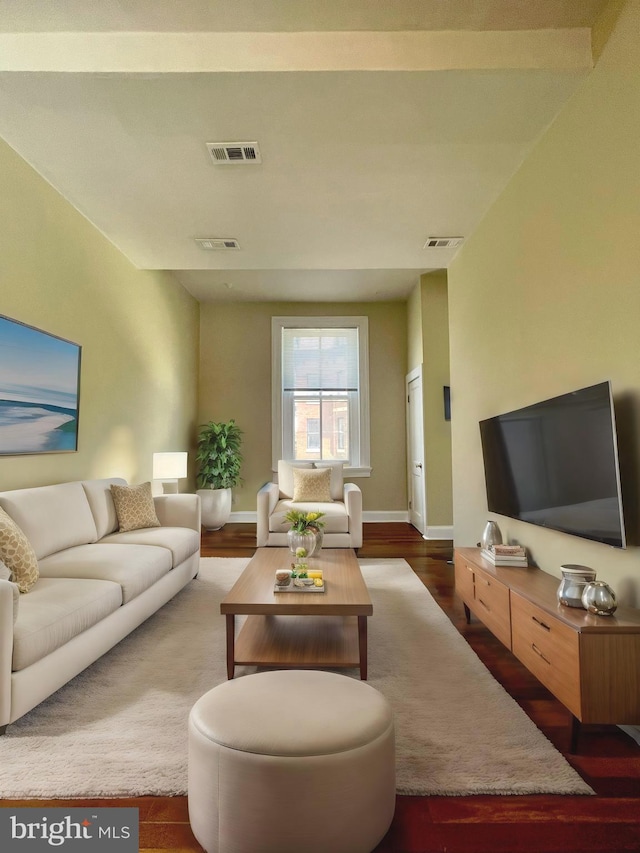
302 642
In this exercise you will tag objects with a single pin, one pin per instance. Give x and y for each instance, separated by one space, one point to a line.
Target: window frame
281 421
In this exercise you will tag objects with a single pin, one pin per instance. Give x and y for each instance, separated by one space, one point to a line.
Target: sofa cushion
335 516
337 478
134 567
285 476
312 485
182 542
17 554
55 611
100 499
134 507
52 517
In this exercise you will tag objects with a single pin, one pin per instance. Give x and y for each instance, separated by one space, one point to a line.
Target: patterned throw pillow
6 575
312 484
17 554
134 507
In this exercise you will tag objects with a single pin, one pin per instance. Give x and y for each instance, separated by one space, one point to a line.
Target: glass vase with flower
305 527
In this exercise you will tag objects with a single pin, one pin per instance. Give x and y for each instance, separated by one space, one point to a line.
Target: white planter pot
216 507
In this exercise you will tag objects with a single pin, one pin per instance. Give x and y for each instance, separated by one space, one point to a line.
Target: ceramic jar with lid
574 580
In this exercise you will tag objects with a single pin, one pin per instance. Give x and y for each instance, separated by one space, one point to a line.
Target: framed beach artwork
39 391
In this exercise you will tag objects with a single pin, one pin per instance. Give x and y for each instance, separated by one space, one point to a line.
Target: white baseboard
247 517
443 531
371 517
385 515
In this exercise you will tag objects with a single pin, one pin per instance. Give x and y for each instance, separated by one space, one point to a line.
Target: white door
415 452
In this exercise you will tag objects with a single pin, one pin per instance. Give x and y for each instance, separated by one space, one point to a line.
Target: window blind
320 359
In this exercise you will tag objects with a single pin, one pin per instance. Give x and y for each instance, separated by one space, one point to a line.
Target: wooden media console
590 663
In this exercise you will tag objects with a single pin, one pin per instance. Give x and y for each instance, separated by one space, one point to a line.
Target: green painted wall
414 328
235 382
544 298
138 331
435 375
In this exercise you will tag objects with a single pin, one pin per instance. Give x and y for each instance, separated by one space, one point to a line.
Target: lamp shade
170 466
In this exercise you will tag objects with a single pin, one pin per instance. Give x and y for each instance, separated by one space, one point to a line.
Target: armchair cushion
285 476
337 478
335 515
311 485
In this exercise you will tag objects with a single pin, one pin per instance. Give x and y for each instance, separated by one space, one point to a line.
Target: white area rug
120 727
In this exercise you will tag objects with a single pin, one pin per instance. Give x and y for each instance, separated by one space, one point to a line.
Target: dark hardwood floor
608 759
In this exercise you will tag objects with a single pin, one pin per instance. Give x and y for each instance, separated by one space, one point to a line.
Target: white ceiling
379 124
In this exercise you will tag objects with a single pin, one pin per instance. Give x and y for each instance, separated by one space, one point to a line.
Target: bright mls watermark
32 830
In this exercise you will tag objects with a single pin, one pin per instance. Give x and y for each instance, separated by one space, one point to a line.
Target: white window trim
362 323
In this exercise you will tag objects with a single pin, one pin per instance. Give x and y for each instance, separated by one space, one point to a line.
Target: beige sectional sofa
95 586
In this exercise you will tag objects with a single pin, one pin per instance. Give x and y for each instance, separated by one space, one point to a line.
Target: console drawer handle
484 605
541 623
485 581
539 653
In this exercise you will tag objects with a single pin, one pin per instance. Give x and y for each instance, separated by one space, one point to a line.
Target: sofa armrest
6 649
268 497
178 510
353 505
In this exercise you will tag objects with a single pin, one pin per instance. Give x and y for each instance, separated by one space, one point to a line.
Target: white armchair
342 514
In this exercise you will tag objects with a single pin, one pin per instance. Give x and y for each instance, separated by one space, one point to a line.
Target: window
312 434
320 390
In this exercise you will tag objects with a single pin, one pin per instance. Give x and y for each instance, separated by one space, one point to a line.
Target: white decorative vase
215 506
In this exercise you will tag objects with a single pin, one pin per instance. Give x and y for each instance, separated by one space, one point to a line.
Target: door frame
414 374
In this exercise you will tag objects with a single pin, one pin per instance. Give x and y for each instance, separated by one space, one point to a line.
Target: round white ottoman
291 761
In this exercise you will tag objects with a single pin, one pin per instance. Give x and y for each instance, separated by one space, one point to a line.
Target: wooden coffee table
299 630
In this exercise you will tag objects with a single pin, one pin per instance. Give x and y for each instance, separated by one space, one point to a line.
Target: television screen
555 464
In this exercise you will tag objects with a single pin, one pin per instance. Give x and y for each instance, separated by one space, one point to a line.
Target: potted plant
219 462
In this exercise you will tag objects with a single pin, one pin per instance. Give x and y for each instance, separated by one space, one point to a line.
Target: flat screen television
555 464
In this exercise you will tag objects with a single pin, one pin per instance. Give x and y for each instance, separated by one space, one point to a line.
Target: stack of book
506 555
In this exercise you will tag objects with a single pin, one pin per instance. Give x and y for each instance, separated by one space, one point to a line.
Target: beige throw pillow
134 507
6 575
311 484
17 554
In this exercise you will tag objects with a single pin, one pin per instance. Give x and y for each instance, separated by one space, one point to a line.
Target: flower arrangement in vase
305 530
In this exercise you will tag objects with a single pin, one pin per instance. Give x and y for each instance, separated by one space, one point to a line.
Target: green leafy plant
219 458
302 522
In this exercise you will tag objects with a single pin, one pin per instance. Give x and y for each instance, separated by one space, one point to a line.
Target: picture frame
39 390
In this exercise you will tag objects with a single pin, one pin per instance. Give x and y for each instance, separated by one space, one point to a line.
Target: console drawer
491 605
464 574
549 649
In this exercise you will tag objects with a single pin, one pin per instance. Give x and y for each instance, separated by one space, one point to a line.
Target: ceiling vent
217 244
443 242
226 153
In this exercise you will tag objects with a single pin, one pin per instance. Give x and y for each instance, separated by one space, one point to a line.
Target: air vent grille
226 153
443 242
217 244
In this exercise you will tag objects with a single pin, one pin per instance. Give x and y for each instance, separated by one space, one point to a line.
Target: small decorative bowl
599 598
